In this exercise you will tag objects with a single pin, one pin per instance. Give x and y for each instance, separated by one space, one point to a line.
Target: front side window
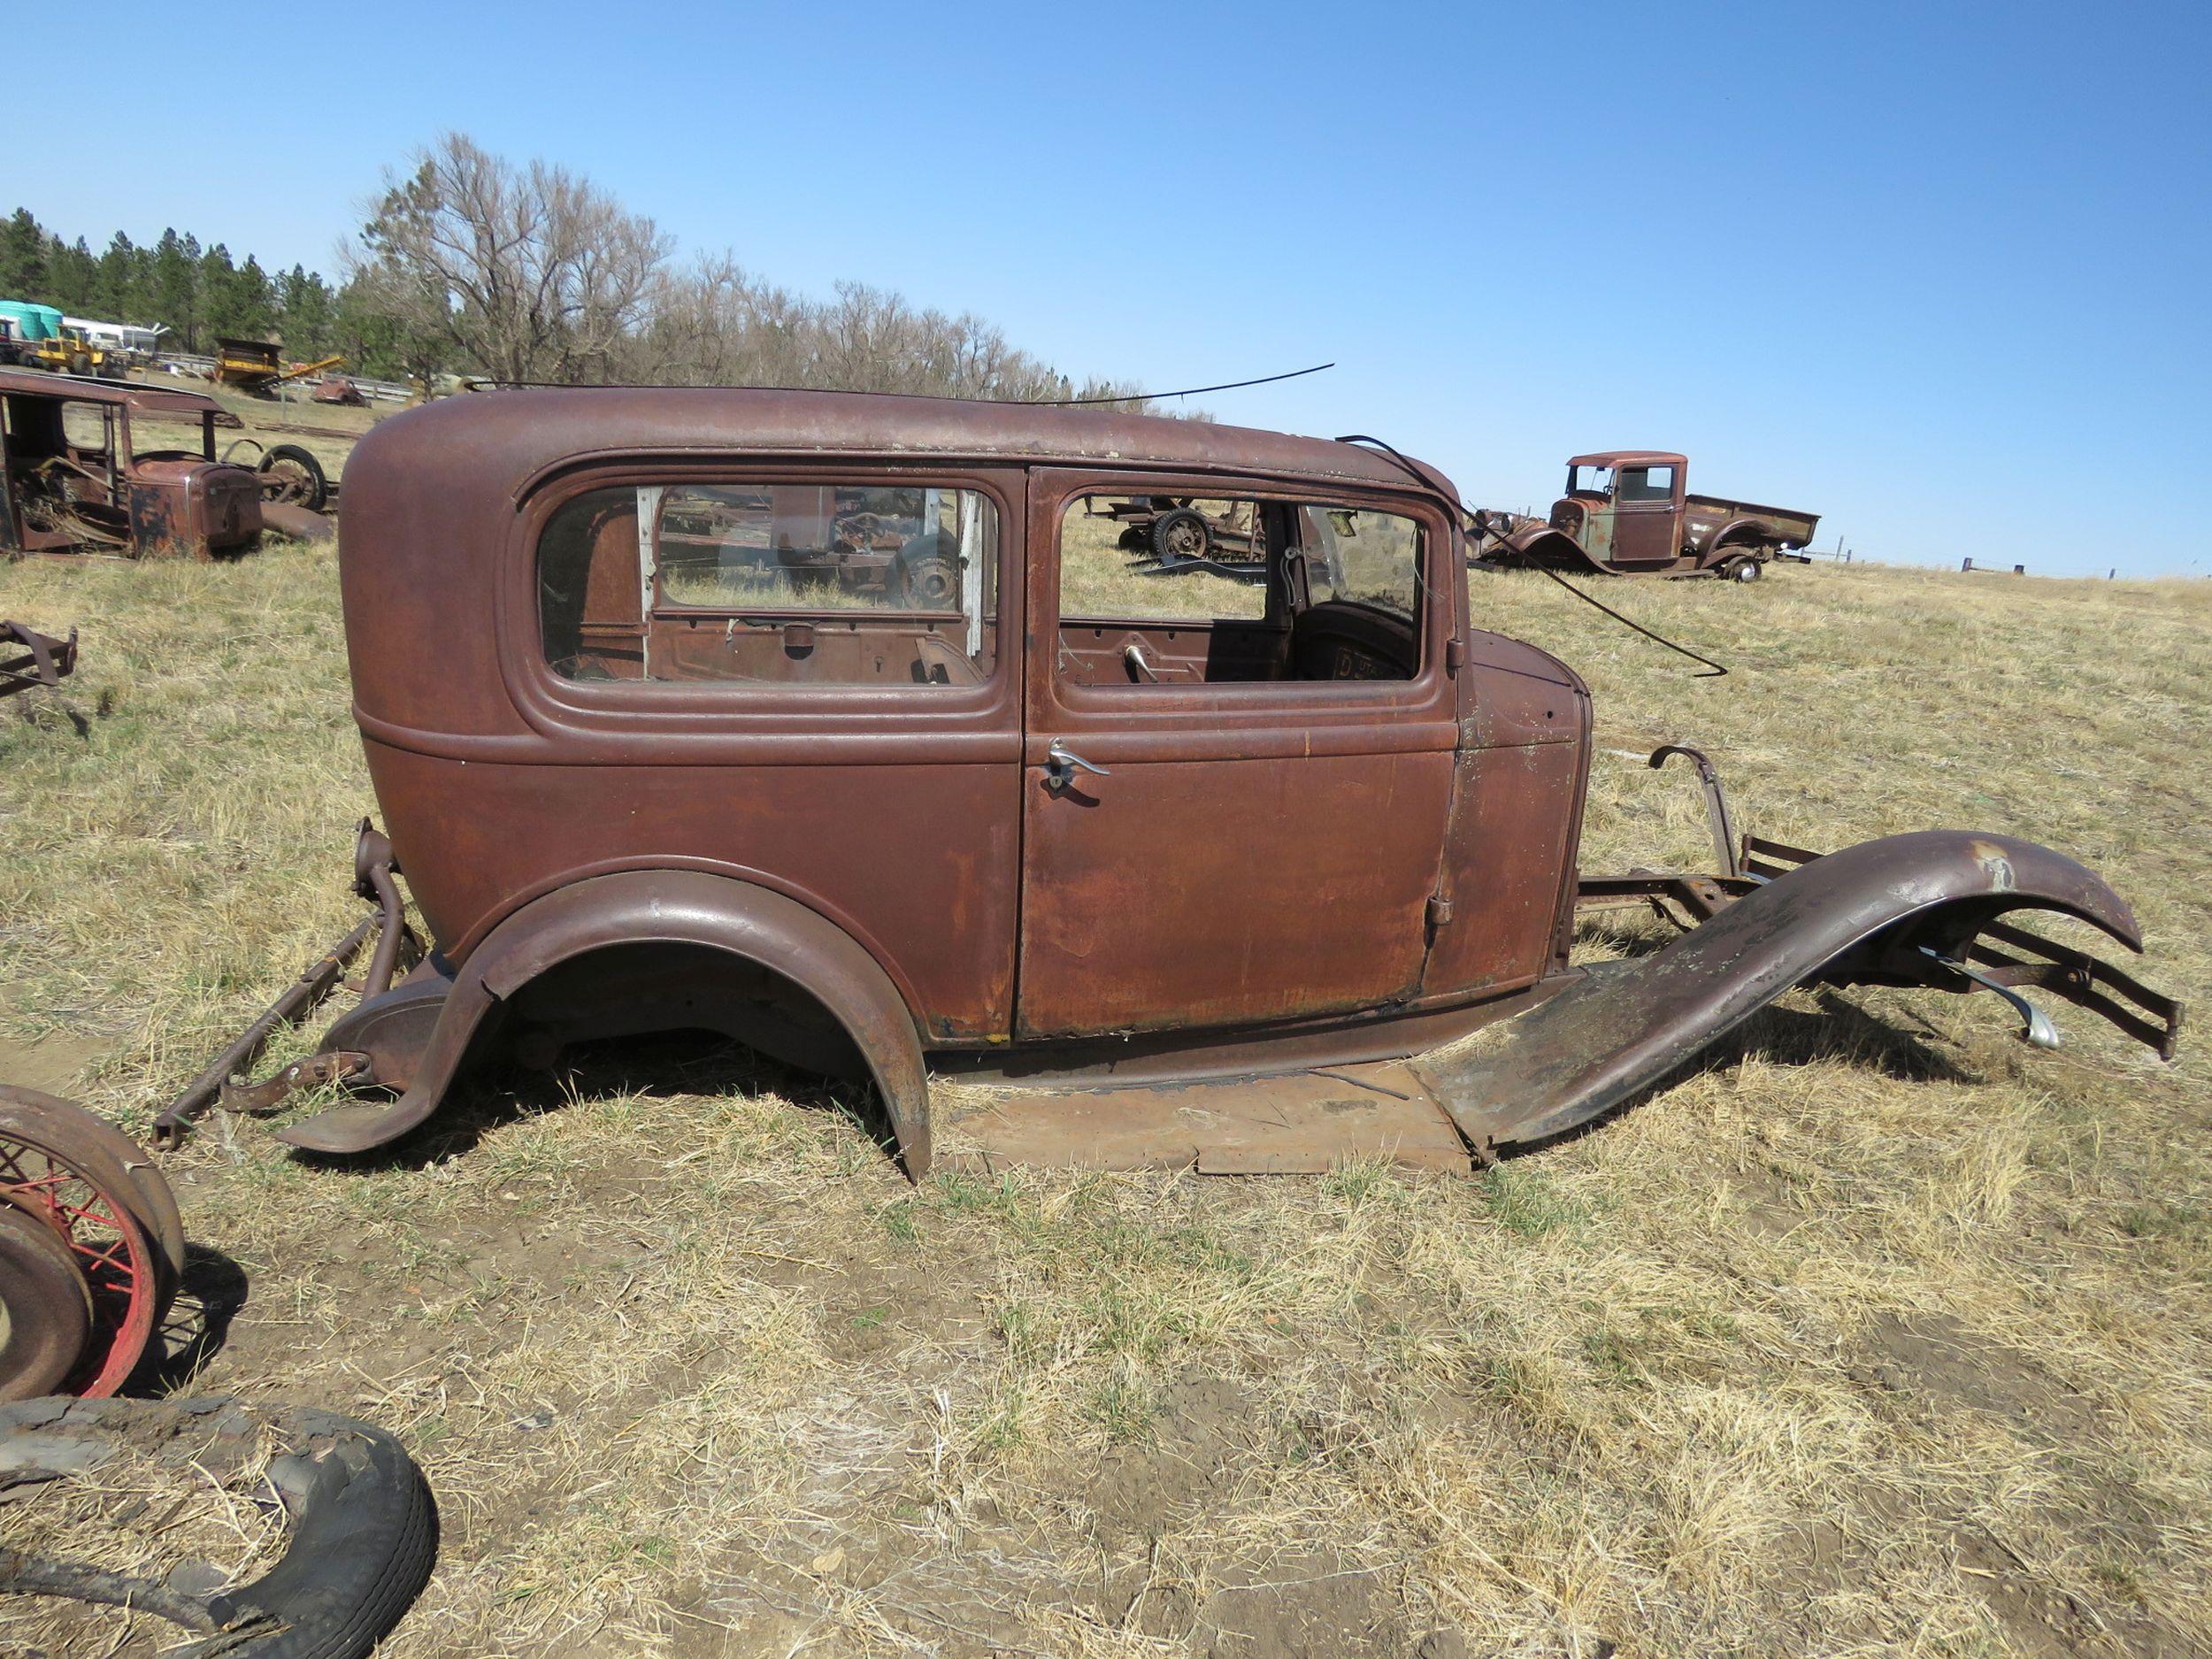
1647 483
1174 591
772 584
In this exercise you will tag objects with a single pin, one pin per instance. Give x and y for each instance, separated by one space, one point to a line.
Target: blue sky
1939 272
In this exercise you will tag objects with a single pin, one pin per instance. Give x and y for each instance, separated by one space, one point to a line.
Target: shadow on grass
211 1291
665 1065
1840 1030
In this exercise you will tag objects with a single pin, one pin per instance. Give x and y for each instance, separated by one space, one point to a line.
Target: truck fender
1736 535
1855 917
685 907
1543 546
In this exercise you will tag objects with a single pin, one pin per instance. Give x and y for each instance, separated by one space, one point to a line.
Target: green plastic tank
32 322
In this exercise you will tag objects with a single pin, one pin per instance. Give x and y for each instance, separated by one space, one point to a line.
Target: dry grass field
1879 1333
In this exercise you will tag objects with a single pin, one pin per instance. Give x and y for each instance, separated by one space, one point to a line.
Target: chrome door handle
1061 763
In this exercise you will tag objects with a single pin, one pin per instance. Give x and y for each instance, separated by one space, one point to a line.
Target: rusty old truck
73 479
1629 512
1064 867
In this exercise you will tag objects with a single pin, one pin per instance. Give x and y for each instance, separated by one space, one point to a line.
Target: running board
1296 1123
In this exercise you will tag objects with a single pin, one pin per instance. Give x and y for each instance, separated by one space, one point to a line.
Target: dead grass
1880 1334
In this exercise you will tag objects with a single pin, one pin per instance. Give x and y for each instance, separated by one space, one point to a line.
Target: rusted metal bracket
1716 814
45 664
267 1097
2037 1028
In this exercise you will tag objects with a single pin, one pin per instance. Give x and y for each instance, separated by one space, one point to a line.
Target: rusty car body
1062 879
1629 512
73 478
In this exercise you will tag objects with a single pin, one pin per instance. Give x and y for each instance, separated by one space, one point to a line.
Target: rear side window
772 584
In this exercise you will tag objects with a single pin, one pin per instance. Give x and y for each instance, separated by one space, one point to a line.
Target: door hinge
1438 912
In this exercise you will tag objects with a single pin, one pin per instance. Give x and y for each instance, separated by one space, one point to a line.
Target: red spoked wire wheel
67 1182
155 1205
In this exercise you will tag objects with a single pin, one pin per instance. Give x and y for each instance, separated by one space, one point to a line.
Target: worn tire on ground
364 1533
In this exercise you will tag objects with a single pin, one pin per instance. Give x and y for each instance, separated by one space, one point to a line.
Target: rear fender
1738 535
683 907
1856 917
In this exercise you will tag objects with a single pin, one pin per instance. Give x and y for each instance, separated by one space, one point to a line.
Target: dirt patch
1931 1361
52 1063
1200 1424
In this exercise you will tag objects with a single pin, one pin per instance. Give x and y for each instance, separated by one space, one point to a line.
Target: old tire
365 1531
45 1311
1180 536
58 1172
80 363
151 1197
294 476
1743 569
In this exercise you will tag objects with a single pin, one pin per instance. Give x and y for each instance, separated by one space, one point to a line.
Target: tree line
470 264
197 293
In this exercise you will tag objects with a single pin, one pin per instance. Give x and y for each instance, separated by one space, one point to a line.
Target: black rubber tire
364 1528
1169 527
81 363
318 486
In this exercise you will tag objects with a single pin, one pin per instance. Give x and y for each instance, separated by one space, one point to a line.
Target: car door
1645 515
1214 834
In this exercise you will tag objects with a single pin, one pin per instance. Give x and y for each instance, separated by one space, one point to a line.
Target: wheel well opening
632 990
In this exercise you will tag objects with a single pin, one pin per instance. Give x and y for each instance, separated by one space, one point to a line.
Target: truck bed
1797 527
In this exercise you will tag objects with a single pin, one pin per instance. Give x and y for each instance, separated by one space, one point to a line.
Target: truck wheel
81 363
1179 536
1743 570
293 475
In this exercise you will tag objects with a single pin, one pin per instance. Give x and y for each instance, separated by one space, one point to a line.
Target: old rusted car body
1028 835
73 480
1629 512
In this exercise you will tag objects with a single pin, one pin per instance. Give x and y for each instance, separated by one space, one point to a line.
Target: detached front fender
683 907
1851 918
1546 547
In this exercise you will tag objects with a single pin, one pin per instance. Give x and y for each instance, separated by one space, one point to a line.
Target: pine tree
23 258
72 275
172 296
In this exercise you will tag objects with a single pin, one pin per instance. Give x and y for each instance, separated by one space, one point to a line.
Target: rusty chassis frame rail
218 1084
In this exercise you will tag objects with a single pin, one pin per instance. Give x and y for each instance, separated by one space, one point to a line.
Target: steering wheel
1328 638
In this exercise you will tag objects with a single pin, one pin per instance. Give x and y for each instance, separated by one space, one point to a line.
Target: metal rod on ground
171 1128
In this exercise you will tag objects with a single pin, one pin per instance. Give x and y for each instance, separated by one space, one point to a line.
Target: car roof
532 430
1628 457
145 400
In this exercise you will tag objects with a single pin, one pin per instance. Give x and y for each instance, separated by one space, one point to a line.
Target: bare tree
532 273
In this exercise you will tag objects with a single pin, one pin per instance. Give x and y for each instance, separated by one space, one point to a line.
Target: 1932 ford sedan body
838 723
